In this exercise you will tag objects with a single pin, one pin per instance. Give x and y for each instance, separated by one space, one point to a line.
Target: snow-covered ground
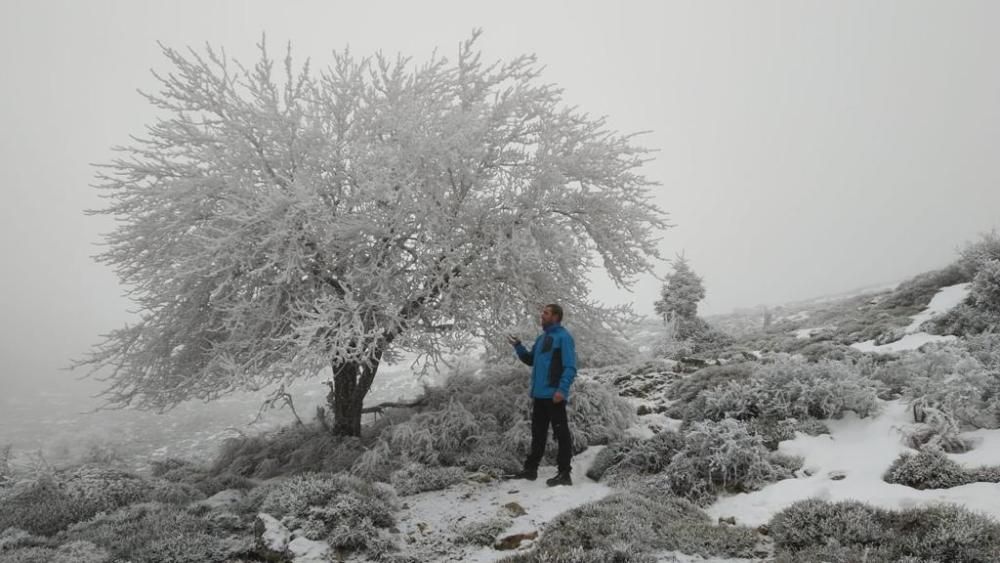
945 299
429 520
860 450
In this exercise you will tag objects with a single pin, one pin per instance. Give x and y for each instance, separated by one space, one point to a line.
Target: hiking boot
529 474
561 478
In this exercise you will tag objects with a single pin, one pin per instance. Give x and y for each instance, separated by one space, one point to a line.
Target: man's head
551 314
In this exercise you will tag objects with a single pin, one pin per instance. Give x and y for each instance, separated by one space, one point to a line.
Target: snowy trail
430 518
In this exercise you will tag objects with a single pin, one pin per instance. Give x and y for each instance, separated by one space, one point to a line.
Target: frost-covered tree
681 292
271 227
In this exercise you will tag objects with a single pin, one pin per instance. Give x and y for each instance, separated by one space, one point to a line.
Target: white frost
863 449
943 301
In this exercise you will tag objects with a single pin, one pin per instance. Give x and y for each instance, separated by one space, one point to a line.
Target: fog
805 148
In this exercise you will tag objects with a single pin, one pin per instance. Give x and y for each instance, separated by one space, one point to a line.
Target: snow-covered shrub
699 462
100 489
687 389
169 492
643 522
290 450
826 389
376 464
598 414
927 469
609 457
645 457
482 532
946 532
974 254
416 478
836 553
72 552
815 522
828 350
615 554
295 497
720 456
203 478
155 532
793 388
40 508
343 510
948 379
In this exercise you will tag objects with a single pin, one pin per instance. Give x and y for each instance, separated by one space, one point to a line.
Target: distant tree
272 228
681 292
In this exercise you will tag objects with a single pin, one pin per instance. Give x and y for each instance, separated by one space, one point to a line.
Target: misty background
805 148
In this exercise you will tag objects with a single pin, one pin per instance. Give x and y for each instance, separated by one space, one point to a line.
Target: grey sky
805 147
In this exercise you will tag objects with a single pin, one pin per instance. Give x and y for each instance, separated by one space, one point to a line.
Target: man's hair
556 310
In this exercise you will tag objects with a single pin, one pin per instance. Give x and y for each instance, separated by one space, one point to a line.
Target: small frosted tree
681 292
273 228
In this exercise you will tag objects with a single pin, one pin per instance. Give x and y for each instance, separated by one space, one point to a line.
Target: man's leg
560 427
540 417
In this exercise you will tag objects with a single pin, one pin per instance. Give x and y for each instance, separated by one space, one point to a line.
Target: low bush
615 554
704 460
156 532
41 508
639 522
72 552
790 389
816 530
290 450
816 522
345 511
930 468
415 478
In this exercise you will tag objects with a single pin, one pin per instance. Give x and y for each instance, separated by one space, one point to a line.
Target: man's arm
523 354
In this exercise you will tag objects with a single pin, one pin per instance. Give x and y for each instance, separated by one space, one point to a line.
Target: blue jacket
553 361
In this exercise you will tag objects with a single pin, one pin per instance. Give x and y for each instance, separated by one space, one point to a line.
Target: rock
763 530
309 551
514 541
731 520
272 536
515 509
223 499
837 475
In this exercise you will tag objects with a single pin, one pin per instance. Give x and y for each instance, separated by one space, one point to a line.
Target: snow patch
428 519
862 449
943 301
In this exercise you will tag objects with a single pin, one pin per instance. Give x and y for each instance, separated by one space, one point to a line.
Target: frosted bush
296 496
792 388
641 523
949 380
927 469
416 478
156 532
616 554
701 461
816 522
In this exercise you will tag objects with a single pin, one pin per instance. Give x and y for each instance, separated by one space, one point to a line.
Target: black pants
543 413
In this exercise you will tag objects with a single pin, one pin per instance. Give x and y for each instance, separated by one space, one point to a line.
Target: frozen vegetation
786 443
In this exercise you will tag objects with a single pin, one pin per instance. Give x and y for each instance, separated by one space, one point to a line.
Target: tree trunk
351 383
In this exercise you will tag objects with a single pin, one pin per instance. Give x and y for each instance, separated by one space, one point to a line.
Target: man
553 361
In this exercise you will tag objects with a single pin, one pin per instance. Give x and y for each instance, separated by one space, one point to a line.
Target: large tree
269 228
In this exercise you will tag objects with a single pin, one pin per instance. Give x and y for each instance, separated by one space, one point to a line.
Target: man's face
548 317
